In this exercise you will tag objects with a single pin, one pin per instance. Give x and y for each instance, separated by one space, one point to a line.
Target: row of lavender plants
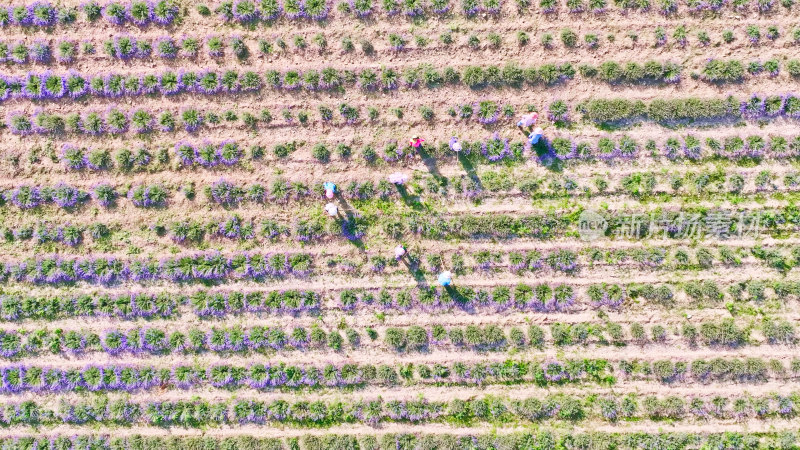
690 110
549 372
541 439
207 304
208 266
203 303
219 304
716 334
689 147
202 413
116 121
69 197
43 14
265 376
251 11
144 13
153 340
73 84
227 153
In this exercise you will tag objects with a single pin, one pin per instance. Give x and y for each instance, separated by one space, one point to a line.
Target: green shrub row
538 440
201 413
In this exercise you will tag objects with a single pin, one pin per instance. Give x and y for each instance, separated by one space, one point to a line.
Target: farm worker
455 145
445 278
416 141
399 252
398 178
331 209
534 137
330 189
528 120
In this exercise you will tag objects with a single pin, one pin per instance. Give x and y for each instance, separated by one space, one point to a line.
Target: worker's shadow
410 200
349 212
470 169
546 156
429 161
414 270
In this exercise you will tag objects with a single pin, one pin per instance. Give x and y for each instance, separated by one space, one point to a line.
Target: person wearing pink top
527 121
416 141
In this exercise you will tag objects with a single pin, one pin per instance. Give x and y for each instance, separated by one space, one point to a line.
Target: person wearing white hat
534 137
398 178
332 209
445 278
399 252
455 145
416 141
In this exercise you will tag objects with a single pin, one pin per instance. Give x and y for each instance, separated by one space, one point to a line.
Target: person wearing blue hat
534 137
445 278
330 189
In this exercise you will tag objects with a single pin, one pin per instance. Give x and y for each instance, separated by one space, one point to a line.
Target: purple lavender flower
40 51
125 46
73 157
139 12
22 15
554 371
488 112
213 49
753 108
231 228
19 123
186 152
66 196
115 13
25 197
361 8
496 149
245 11
165 11
169 83
54 85
33 86
229 153
166 47
75 84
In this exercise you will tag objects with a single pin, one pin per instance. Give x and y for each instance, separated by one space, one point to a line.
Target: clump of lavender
148 196
229 153
361 8
245 11
185 152
73 157
558 112
40 51
317 9
496 149
24 197
165 11
115 13
139 12
225 193
354 227
104 194
488 112
554 372
19 123
42 14
753 108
